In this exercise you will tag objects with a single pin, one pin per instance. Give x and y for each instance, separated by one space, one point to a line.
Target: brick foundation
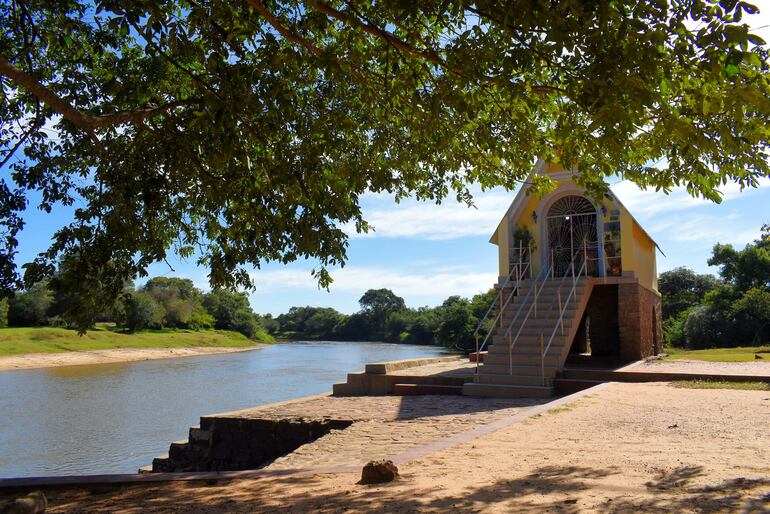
639 322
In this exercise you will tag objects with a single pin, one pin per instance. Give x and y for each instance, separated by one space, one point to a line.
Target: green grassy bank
739 354
15 341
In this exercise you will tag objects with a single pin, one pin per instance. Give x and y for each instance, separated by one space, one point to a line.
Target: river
114 418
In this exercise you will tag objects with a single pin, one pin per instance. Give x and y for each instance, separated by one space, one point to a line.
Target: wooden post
476 377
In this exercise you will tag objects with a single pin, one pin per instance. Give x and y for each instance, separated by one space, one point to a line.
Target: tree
243 132
231 311
456 324
754 307
3 312
181 302
377 304
30 307
745 269
681 288
142 311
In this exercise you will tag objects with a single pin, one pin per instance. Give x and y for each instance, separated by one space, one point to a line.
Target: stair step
528 339
524 359
420 389
502 349
506 391
505 378
504 369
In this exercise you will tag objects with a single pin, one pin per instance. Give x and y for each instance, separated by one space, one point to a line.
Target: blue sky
425 252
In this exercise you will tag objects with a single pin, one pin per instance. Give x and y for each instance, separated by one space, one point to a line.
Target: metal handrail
520 273
562 309
500 292
572 269
544 271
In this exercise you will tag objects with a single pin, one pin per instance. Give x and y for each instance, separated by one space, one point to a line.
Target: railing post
552 263
585 256
501 305
561 312
476 377
510 354
542 360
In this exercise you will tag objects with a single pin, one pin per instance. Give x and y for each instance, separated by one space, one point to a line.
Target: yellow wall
638 256
644 259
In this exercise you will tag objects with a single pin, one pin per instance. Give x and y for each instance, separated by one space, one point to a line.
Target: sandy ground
758 367
622 448
48 360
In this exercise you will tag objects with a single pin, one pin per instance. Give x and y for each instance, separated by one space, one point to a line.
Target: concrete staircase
518 371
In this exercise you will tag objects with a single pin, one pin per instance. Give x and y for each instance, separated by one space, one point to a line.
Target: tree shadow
559 489
738 495
676 478
421 406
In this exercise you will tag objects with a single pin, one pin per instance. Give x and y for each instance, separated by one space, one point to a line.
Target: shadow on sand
568 490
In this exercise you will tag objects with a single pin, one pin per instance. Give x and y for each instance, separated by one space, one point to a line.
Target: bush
673 329
142 311
457 324
231 311
3 312
30 308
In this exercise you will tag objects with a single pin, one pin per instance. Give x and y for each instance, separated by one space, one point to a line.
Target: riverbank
663 449
76 358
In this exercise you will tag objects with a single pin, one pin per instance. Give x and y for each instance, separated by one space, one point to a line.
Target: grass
15 341
739 354
722 384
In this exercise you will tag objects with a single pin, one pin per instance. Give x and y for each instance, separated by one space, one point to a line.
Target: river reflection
114 418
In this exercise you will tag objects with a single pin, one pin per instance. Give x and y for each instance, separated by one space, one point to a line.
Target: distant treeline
385 317
703 311
162 302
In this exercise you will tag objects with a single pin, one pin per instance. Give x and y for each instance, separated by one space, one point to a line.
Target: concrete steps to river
514 365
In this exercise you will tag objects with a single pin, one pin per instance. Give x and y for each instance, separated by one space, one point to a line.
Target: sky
426 252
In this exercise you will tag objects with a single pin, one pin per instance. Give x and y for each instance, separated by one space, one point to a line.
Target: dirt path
626 448
48 360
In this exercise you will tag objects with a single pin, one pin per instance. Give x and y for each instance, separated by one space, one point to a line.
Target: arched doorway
572 232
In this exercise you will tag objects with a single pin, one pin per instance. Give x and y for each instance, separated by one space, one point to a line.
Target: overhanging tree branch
282 29
85 122
430 55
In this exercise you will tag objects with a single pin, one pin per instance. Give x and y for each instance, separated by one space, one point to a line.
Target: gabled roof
521 199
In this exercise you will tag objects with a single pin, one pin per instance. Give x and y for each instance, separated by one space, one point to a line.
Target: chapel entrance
572 234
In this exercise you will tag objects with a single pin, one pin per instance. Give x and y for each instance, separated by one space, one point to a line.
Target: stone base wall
230 444
639 322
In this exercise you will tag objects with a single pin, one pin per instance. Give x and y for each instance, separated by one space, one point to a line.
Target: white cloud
706 230
649 202
428 221
438 282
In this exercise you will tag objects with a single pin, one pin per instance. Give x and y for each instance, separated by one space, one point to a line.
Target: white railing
533 292
562 308
519 270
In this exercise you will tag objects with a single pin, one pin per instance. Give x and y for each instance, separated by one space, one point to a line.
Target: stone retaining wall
230 444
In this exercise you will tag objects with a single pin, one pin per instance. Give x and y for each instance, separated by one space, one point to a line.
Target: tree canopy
242 132
701 311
